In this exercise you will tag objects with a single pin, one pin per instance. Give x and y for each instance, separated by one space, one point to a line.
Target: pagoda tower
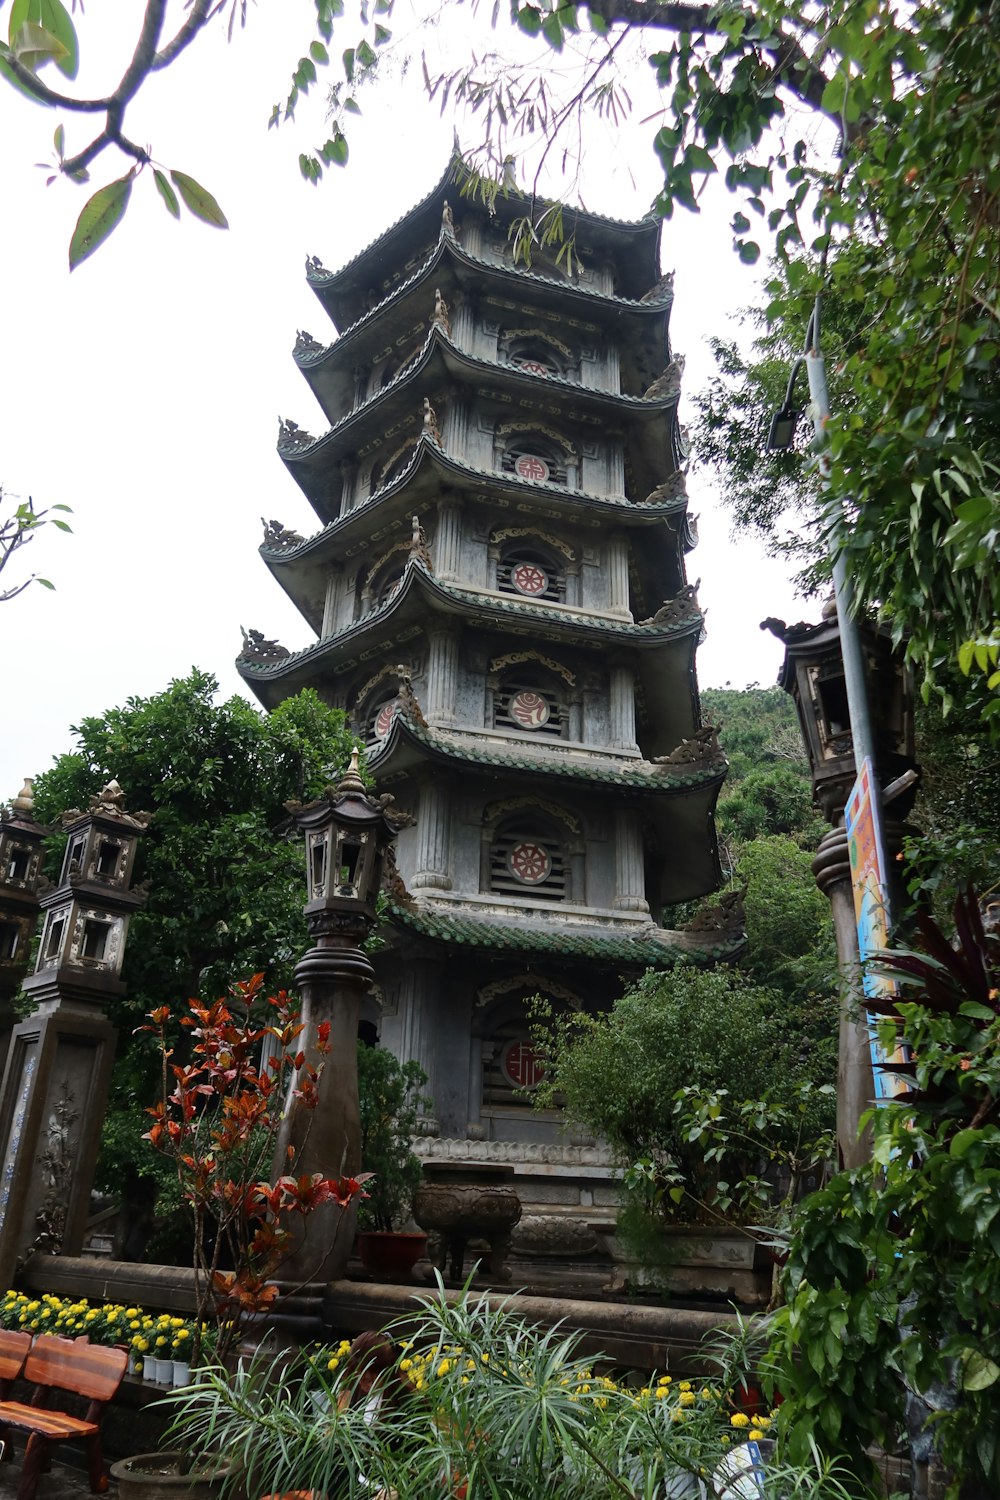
501 605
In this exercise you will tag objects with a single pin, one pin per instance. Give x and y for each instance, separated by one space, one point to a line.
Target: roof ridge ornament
673 488
256 647
700 749
305 344
661 290
430 421
315 267
276 535
406 698
669 383
419 550
291 435
440 318
448 221
683 606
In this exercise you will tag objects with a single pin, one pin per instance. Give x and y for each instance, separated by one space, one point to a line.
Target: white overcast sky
144 390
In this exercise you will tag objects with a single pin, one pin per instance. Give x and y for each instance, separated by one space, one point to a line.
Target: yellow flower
685 1385
754 1435
160 1341
332 1364
739 1419
666 1380
444 1366
182 1333
404 1364
687 1398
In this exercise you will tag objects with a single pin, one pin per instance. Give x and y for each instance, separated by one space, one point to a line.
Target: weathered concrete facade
501 605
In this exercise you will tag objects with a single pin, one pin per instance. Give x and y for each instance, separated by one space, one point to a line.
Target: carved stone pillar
347 835
618 591
420 1016
331 981
463 326
348 478
433 840
448 542
21 881
855 1082
442 675
55 1085
456 427
622 706
630 880
331 604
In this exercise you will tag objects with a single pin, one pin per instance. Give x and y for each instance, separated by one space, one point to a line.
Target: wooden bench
13 1352
55 1364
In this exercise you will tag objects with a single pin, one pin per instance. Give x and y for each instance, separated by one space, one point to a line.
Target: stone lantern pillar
347 835
813 673
21 880
55 1083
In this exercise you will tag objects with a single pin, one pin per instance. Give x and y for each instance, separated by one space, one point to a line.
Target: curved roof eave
308 361
588 628
426 451
437 344
320 281
679 780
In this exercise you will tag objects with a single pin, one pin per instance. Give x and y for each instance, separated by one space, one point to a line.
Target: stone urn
459 1202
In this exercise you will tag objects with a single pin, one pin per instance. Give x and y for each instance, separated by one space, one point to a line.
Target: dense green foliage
630 1075
389 1093
893 1278
479 1403
226 883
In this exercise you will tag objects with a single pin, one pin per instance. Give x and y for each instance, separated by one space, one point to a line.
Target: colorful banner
869 882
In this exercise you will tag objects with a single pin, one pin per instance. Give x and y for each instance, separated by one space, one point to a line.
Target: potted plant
390 1099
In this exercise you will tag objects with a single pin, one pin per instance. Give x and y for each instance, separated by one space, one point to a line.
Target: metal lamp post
831 670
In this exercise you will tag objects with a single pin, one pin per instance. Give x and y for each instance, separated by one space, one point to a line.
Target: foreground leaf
167 193
199 201
99 216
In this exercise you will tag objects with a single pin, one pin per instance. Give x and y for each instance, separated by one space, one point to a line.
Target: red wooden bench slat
90 1370
51 1424
57 1364
13 1352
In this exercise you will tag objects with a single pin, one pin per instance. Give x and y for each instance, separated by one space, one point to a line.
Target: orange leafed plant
217 1118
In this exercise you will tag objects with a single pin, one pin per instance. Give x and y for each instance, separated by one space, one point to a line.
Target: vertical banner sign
869 882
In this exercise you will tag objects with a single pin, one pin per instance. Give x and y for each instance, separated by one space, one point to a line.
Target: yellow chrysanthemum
739 1419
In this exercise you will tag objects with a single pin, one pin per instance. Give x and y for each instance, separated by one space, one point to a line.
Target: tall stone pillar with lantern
813 673
347 835
55 1082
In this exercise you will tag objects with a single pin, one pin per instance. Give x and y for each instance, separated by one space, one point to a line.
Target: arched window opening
527 859
531 573
528 700
535 355
534 458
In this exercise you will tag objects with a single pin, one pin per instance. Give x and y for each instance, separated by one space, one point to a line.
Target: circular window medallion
522 1064
530 466
529 863
383 719
529 709
529 578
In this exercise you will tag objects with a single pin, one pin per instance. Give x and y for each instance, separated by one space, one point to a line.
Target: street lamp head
782 433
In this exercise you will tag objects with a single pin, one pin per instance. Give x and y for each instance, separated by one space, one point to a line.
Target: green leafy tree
625 1074
226 885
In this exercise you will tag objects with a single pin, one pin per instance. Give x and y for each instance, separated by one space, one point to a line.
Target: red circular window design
529 709
536 366
529 578
529 863
523 1065
383 719
530 466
